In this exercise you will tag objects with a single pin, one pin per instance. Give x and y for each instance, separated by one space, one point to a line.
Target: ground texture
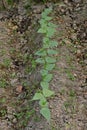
19 75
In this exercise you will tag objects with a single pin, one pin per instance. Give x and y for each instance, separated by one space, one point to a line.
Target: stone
14 120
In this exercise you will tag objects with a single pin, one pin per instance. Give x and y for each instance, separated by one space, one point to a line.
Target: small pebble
14 120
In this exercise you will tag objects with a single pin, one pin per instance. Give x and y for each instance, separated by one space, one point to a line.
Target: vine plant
46 57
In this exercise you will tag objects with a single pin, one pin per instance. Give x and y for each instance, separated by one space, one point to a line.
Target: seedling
46 57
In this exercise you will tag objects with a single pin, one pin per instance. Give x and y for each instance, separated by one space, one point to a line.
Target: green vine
47 59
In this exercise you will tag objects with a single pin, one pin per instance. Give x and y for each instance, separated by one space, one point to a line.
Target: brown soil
69 105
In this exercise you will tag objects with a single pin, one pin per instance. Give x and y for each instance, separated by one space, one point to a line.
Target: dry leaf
19 89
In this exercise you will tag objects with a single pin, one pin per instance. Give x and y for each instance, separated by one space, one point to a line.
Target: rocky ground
19 74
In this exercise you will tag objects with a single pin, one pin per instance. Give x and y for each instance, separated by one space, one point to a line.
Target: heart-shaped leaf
44 72
47 18
46 12
46 113
47 78
47 92
44 84
43 103
52 52
50 60
42 30
41 52
53 44
46 40
40 60
52 25
38 96
49 67
50 32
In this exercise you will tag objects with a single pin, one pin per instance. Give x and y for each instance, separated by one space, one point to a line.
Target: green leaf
44 15
51 52
46 12
52 25
42 21
42 30
46 40
44 85
49 67
40 60
44 72
45 46
38 96
50 60
53 44
44 26
41 52
47 78
49 44
47 92
47 18
50 32
43 103
46 113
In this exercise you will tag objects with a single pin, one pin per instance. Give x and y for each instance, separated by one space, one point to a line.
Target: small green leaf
46 40
50 32
49 44
46 46
44 72
52 25
44 15
46 12
53 44
47 18
43 103
42 21
50 60
51 52
42 30
46 113
40 60
38 96
47 92
49 67
41 52
48 78
44 85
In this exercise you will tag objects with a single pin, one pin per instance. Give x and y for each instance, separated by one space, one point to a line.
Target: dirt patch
19 75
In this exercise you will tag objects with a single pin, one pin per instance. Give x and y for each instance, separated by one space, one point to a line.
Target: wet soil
19 74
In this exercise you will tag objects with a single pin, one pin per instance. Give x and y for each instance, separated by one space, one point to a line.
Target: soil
19 74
